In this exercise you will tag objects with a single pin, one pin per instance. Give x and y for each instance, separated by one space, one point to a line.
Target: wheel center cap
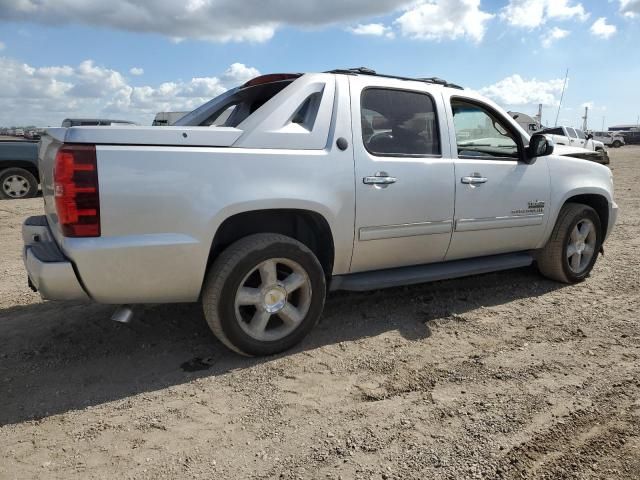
580 246
275 298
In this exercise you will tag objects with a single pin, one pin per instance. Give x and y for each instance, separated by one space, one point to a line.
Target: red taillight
75 183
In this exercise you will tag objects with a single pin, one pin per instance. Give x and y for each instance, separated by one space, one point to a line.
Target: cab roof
369 71
276 77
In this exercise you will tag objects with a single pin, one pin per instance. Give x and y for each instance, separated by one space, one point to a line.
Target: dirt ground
505 375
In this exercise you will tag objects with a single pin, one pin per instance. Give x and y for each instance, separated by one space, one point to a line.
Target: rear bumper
49 271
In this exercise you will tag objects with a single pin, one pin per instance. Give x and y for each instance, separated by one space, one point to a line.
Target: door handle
474 180
381 179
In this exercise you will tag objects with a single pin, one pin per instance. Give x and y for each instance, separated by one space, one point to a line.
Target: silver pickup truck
263 199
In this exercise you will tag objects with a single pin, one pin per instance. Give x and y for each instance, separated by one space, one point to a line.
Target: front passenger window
480 133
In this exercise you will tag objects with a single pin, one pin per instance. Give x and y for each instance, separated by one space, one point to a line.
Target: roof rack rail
369 71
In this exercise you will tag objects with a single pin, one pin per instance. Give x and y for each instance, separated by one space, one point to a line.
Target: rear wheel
572 250
17 183
263 294
616 144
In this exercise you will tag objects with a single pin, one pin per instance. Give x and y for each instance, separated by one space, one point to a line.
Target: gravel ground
505 375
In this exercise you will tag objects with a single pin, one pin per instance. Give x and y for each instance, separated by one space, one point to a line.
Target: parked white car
344 180
610 139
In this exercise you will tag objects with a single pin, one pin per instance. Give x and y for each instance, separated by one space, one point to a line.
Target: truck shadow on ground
56 357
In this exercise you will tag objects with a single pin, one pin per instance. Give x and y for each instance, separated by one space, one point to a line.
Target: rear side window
399 122
554 131
572 132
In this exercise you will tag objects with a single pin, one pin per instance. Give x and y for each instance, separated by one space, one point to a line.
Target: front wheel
263 294
572 250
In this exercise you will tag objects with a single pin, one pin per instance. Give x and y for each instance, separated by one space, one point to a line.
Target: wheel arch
598 202
307 226
28 166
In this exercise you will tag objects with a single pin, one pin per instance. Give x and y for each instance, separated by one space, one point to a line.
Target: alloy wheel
273 299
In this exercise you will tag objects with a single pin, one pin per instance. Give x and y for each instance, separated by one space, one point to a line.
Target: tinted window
554 131
397 122
581 134
480 133
572 132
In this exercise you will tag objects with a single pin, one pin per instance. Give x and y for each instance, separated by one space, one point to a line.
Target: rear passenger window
398 122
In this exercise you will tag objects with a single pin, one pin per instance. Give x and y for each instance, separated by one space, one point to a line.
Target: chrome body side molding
474 224
404 230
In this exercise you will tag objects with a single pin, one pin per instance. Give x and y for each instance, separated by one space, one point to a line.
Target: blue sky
58 59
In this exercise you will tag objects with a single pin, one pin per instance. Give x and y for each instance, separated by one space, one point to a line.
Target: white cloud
46 95
588 105
238 73
516 91
630 8
2 46
137 71
602 29
216 20
444 19
554 34
566 10
534 13
91 81
374 29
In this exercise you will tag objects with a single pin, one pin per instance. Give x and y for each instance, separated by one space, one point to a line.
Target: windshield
234 106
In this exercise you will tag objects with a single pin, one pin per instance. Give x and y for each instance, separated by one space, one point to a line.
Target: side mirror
539 146
589 136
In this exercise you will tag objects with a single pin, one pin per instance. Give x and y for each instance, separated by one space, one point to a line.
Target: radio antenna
562 96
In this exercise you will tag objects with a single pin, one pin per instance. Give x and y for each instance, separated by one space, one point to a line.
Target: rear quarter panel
161 206
20 154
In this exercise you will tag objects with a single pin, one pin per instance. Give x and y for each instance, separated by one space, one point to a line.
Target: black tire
552 260
616 144
26 180
227 275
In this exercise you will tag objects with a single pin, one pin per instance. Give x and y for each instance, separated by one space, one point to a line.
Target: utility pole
585 119
603 124
539 116
562 97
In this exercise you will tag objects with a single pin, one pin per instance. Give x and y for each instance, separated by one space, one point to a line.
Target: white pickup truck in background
268 196
576 138
572 137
